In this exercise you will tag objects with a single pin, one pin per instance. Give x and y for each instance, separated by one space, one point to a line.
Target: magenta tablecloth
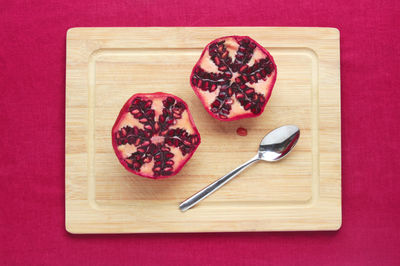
32 93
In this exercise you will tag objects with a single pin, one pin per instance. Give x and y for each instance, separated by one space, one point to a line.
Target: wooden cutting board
105 66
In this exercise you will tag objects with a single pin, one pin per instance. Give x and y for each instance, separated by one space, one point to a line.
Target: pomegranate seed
143 120
157 157
213 88
241 131
243 68
129 161
216 103
255 110
136 165
253 78
224 55
148 127
167 169
237 80
145 143
239 95
169 162
169 155
247 106
223 116
137 142
170 100
187 143
217 61
152 149
141 150
220 48
165 149
123 131
195 139
148 104
156 169
222 68
230 91
147 134
199 84
135 111
258 75
147 160
249 91
224 111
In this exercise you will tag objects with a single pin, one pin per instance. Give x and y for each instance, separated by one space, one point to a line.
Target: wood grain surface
105 66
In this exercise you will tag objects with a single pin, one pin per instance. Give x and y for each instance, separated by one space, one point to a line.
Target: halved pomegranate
154 135
234 78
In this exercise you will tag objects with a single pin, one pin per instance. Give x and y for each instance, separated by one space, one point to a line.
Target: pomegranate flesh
234 78
154 135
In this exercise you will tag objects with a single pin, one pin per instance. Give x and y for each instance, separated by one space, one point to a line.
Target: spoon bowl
278 143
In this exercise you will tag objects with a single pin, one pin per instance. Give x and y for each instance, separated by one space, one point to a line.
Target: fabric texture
32 111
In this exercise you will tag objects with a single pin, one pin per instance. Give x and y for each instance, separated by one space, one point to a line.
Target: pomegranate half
234 78
154 135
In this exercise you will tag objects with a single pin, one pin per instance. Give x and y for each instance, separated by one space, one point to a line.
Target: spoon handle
205 192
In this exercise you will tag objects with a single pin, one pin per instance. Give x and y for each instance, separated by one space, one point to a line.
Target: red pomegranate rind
234 78
154 135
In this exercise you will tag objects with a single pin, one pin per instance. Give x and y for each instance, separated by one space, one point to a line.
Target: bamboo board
105 66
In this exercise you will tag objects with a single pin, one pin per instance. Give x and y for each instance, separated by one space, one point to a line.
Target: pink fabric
32 96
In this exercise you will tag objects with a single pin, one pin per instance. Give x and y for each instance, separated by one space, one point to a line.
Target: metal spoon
273 147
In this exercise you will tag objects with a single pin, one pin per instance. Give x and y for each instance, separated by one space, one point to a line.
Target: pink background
32 96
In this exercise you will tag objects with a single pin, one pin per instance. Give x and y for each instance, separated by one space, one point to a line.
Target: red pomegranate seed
135 111
241 131
243 68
